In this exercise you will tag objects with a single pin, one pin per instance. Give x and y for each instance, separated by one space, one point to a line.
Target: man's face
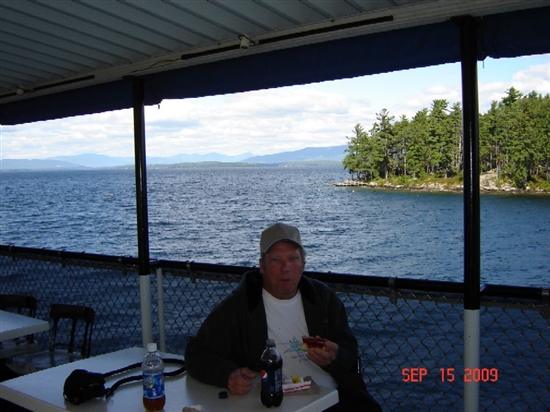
282 268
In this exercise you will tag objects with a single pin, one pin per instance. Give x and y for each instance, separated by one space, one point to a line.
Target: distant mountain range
90 160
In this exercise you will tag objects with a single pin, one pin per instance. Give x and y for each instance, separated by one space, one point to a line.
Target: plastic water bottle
271 375
152 368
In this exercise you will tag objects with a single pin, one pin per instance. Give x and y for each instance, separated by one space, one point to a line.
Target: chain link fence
411 341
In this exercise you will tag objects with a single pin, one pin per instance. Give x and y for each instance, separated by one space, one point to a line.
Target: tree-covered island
426 151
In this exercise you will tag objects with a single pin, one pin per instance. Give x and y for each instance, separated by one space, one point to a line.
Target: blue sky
271 121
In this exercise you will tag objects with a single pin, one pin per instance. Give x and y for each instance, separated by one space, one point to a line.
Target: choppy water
215 215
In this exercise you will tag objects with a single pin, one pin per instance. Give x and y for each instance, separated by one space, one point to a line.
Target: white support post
160 303
146 317
471 359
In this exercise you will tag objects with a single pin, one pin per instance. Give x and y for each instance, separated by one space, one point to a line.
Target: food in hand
309 342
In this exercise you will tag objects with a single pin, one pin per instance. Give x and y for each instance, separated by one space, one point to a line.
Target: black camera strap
112 389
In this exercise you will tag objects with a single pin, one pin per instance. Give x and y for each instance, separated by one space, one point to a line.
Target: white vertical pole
471 359
146 317
160 303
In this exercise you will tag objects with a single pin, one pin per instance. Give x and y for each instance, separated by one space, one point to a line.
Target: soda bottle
271 375
152 368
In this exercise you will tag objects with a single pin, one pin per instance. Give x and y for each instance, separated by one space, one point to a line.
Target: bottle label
278 380
272 381
153 386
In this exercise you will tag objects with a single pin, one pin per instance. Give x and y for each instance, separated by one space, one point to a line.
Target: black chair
23 305
69 322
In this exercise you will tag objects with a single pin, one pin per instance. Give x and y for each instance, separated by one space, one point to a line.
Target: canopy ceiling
65 58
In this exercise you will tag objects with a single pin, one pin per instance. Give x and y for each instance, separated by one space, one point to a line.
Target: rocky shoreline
487 185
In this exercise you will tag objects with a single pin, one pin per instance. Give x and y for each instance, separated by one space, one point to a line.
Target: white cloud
533 78
259 122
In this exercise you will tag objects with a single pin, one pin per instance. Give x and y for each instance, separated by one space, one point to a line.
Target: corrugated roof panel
17 74
78 30
261 16
22 70
140 23
205 31
223 16
67 44
334 9
103 14
369 5
62 63
55 51
295 12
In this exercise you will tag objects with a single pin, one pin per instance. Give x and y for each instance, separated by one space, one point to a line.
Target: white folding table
13 325
43 391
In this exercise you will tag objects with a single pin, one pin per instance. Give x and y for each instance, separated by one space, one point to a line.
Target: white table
43 391
13 325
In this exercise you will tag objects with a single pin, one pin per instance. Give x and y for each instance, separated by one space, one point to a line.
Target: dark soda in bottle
271 375
152 368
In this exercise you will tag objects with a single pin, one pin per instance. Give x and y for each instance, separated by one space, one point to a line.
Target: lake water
215 215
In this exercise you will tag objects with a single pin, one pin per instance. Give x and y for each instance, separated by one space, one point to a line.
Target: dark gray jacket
234 334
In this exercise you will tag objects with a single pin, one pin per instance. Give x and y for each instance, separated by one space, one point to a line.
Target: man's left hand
324 356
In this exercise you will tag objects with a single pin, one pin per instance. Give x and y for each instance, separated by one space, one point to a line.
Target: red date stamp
414 374
450 374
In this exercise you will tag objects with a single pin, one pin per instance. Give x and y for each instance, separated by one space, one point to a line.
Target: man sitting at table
280 303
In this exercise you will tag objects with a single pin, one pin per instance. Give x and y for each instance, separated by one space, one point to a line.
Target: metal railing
410 332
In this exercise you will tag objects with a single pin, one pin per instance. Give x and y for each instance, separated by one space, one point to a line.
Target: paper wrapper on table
194 408
296 384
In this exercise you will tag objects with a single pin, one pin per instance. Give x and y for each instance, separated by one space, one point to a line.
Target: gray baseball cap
278 232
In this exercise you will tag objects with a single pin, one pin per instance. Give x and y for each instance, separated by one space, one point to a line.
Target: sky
271 121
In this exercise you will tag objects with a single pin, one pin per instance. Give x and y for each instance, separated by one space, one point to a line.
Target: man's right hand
240 381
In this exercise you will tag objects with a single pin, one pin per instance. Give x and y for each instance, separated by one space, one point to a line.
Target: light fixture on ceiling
246 41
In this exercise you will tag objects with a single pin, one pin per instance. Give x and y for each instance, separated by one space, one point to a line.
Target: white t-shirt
286 324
